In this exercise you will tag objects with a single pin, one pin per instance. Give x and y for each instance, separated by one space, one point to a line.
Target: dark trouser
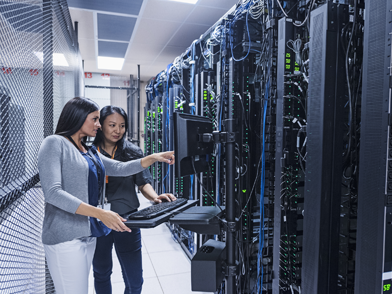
129 252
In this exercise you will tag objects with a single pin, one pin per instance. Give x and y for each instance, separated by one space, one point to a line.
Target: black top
120 191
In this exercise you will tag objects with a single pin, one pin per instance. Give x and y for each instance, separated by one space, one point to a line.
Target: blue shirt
94 182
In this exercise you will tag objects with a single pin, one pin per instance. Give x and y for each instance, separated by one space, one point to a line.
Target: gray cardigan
64 179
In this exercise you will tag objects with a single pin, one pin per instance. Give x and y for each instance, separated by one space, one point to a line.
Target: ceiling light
58 58
110 63
186 1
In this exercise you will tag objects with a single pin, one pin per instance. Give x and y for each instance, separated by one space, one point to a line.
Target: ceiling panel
169 53
187 34
116 6
131 67
155 32
85 21
114 27
165 10
163 30
223 4
206 16
112 49
142 52
158 66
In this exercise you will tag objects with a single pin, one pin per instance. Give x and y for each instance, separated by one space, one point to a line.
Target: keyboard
156 209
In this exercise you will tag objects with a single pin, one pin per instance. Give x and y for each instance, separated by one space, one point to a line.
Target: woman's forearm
148 192
111 219
148 160
167 157
89 210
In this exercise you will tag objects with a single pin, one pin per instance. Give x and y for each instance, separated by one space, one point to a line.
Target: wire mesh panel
65 61
40 70
21 91
21 253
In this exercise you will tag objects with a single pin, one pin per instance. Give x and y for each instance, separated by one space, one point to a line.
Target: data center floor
166 269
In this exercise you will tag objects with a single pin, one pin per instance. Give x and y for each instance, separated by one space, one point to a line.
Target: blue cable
262 186
231 42
167 121
192 100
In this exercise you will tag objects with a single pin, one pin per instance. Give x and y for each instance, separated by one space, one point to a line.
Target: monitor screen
192 155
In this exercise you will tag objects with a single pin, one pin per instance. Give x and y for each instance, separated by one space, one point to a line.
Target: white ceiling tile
131 68
223 4
167 10
186 34
206 16
161 22
157 67
155 32
142 52
169 53
85 21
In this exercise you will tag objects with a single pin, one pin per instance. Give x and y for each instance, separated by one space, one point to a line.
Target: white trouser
69 264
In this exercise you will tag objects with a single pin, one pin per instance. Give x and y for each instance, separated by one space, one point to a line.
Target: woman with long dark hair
73 181
121 195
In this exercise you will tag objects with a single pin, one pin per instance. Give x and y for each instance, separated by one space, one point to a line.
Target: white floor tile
116 271
148 269
170 262
118 288
151 286
159 243
159 230
178 284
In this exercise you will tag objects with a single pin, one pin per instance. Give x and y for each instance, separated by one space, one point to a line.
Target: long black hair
74 115
128 150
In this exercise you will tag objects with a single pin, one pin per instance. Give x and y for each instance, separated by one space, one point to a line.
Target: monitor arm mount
228 138
220 137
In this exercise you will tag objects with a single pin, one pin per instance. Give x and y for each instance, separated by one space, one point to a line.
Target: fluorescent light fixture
58 58
110 63
185 1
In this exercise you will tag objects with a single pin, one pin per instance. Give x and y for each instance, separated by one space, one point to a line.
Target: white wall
101 96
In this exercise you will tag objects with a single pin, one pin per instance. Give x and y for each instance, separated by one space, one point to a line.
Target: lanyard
73 142
91 155
114 152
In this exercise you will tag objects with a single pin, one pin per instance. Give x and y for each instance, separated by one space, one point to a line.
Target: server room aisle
166 269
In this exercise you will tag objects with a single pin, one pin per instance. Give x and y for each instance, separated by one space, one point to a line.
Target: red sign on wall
7 70
34 72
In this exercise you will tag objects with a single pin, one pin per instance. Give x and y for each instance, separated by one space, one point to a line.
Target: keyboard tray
156 221
200 219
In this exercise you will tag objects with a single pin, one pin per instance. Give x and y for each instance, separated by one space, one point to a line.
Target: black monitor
192 155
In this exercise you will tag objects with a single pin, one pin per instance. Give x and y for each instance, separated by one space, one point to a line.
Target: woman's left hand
165 197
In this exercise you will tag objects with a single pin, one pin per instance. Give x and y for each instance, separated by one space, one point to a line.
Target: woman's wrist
148 160
98 212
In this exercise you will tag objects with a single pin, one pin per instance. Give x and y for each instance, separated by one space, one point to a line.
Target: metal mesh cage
40 70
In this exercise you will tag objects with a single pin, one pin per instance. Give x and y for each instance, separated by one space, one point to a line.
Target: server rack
373 270
325 144
289 158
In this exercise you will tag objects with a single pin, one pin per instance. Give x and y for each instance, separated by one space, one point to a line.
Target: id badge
106 206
